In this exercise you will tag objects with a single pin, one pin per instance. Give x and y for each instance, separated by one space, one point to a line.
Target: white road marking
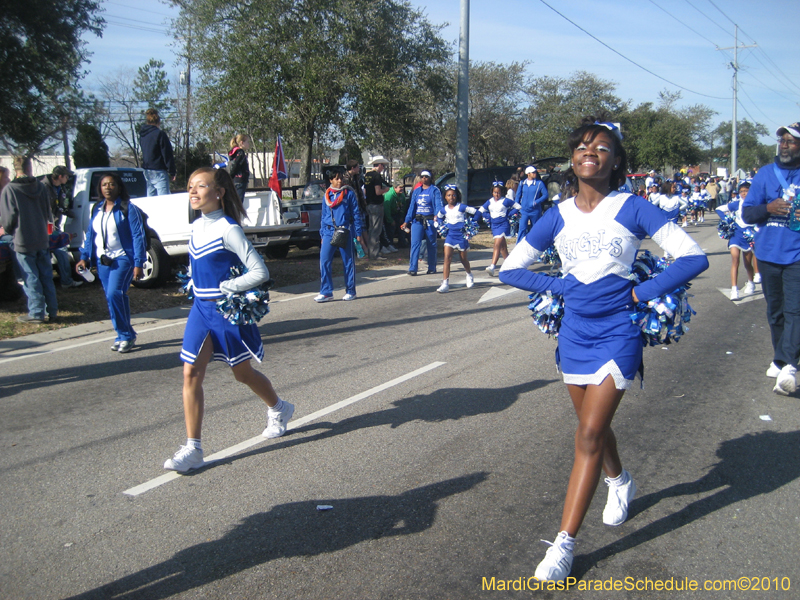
167 477
757 295
497 292
295 298
37 353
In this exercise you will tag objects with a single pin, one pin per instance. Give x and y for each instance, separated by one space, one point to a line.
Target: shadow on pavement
287 531
749 466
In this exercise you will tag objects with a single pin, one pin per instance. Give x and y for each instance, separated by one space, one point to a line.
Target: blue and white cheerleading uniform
670 205
738 239
497 213
425 204
455 218
217 244
597 337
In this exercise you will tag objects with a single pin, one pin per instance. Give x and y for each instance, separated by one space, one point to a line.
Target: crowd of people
600 349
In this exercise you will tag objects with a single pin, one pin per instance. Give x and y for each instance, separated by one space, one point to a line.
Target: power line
684 24
138 27
754 104
628 59
707 17
139 9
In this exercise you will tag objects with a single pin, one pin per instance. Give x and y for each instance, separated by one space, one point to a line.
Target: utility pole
462 135
735 66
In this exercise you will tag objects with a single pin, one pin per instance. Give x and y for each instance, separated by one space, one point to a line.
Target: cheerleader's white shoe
619 497
445 287
734 293
749 288
757 278
470 280
557 562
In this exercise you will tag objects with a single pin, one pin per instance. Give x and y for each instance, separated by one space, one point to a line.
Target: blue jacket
530 197
774 241
130 230
424 202
346 213
156 150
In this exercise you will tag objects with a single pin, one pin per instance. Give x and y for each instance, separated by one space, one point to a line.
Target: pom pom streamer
442 229
470 229
548 310
665 319
245 308
187 286
727 226
748 236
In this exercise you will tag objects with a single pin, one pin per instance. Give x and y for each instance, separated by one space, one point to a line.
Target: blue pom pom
548 310
665 319
442 230
470 229
727 226
187 286
749 237
245 308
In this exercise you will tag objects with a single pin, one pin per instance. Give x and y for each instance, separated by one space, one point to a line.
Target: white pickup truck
170 220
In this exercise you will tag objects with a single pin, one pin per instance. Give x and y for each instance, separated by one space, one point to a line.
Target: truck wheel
156 266
277 251
10 290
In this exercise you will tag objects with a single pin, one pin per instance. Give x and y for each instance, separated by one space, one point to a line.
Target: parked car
479 181
170 219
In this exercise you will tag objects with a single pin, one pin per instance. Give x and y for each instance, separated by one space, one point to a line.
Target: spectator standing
158 161
238 167
54 183
713 193
25 213
375 187
352 179
115 244
531 194
393 202
777 249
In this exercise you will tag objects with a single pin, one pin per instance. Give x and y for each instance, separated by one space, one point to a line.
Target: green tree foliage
751 154
350 151
305 67
90 150
198 156
41 52
557 105
151 86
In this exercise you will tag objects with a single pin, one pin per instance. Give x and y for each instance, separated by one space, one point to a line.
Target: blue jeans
64 266
781 285
116 280
157 182
39 287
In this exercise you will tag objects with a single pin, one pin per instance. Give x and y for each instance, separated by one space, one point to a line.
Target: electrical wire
645 69
707 17
694 31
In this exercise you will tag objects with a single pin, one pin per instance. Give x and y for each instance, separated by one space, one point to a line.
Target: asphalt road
437 428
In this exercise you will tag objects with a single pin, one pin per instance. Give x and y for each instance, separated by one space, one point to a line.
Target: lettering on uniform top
590 245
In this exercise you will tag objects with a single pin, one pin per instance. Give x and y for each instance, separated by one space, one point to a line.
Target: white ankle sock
278 406
620 479
194 443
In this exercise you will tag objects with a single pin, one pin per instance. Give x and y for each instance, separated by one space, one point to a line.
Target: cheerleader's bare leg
193 398
735 253
448 256
465 261
256 381
749 261
595 448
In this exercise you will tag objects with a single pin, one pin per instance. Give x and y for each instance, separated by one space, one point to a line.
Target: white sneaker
749 288
470 280
445 287
348 297
557 562
490 270
185 459
786 383
322 298
684 224
734 293
702 219
757 278
619 497
773 371
277 420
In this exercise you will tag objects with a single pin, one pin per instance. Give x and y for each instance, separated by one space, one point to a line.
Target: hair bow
612 127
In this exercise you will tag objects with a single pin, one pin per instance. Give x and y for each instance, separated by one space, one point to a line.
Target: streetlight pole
735 66
462 136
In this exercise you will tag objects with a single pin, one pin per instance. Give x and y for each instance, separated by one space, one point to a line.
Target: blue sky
675 40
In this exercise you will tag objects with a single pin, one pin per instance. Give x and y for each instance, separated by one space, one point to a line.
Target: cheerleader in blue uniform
739 245
597 234
496 210
454 214
217 244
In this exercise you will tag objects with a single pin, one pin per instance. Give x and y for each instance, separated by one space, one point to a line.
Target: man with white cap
777 247
531 194
650 180
375 187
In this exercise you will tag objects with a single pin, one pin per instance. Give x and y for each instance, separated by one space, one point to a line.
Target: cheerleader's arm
257 272
722 210
515 271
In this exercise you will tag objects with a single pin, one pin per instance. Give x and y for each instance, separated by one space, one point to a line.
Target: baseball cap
793 130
